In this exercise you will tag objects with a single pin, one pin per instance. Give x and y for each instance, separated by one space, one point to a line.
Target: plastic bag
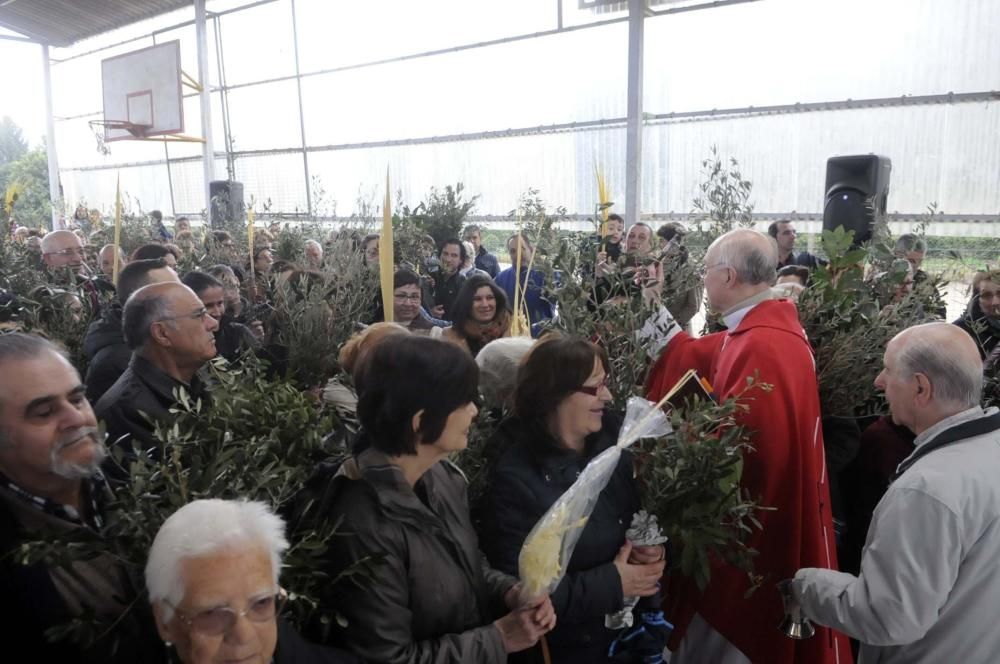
550 544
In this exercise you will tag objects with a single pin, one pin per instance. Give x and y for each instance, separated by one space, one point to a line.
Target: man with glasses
172 336
63 250
786 470
50 481
63 258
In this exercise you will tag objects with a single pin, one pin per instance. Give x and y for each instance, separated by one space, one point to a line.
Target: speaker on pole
227 201
857 189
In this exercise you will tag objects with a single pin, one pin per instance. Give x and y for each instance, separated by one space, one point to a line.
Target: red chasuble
786 471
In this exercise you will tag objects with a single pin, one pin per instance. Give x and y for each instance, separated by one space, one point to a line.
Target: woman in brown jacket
430 597
479 315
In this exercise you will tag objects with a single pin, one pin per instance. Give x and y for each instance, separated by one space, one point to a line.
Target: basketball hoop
137 130
143 99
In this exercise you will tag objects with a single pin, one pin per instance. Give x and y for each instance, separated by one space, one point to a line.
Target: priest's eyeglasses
213 622
705 269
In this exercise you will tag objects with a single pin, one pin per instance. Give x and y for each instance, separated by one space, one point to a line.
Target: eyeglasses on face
594 390
199 314
406 297
705 269
72 251
213 622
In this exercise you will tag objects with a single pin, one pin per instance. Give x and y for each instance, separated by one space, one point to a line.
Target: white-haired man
63 250
212 577
469 268
785 471
313 251
50 482
928 590
63 258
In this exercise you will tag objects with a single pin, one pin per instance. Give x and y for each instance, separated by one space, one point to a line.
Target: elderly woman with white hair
498 362
212 577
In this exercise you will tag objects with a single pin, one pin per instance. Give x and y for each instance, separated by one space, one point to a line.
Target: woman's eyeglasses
213 622
594 390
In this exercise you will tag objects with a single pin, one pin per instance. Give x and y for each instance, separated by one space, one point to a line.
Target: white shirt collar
735 315
954 420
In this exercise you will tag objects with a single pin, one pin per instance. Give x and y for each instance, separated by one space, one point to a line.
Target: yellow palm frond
386 260
14 191
604 198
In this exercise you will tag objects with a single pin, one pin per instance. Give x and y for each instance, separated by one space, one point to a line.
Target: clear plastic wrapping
549 546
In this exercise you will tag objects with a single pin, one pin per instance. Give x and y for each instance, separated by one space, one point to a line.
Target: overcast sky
23 94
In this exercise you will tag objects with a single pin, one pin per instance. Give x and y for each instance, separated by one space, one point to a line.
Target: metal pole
55 196
633 130
302 119
208 148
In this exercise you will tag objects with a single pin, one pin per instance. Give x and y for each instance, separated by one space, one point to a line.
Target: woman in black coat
401 506
560 424
981 319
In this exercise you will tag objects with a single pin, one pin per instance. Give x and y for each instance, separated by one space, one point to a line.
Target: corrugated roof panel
62 22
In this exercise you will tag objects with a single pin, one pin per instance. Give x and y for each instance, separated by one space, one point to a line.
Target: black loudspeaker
857 189
226 201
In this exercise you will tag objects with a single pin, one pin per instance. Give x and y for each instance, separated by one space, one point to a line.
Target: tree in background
12 143
29 170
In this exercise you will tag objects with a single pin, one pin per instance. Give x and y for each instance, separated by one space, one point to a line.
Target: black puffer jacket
109 356
530 475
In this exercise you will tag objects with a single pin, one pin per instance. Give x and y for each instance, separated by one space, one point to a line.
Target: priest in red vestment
785 471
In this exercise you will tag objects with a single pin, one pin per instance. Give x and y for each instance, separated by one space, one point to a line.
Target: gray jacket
929 589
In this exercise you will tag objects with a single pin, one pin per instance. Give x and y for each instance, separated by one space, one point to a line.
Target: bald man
107 259
172 336
62 254
929 590
63 249
786 469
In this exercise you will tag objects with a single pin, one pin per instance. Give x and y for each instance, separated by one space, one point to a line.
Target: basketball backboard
142 93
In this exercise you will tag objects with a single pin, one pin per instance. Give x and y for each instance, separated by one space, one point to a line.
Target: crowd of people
891 552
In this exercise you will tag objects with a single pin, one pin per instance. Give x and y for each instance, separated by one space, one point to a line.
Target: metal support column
208 148
55 195
633 131
302 118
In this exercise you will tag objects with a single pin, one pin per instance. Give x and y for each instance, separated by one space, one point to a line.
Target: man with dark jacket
783 232
232 339
103 343
485 261
447 279
63 260
51 486
171 336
